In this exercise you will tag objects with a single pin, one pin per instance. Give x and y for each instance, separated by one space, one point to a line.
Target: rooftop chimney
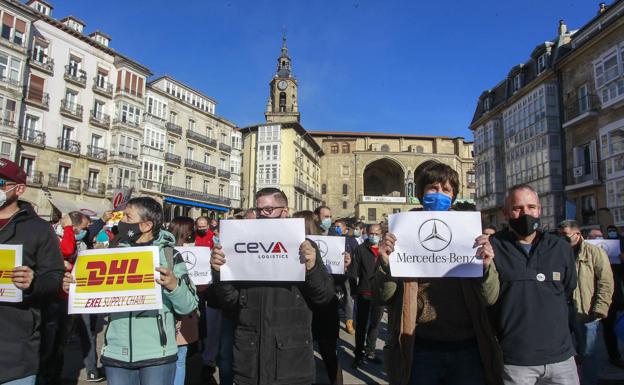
563 28
73 23
101 38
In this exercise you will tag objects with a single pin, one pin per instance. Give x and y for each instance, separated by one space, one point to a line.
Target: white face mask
3 195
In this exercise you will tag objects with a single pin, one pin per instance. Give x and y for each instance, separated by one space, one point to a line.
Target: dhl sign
7 264
115 271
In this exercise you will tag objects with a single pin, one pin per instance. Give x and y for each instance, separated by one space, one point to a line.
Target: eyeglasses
4 183
268 209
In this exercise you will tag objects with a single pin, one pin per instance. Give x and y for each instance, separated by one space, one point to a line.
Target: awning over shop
195 204
92 207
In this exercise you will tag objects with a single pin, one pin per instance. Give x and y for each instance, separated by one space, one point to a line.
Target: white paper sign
10 258
115 280
197 261
262 249
331 249
610 246
435 244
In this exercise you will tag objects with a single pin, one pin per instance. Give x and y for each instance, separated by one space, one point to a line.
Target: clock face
282 85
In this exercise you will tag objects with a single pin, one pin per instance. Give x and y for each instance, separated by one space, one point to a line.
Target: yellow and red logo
115 272
7 264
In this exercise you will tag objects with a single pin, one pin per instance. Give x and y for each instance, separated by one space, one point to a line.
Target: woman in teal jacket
140 347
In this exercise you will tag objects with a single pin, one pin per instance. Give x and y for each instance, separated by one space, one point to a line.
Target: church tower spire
282 104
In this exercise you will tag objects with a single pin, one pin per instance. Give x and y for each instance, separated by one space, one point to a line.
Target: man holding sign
37 278
439 328
273 336
530 283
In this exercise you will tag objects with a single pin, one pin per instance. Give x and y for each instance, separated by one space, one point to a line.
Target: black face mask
202 232
524 225
129 232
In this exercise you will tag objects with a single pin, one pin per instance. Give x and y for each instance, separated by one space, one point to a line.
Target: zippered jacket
20 322
147 338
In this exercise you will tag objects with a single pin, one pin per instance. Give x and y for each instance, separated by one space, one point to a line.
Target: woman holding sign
439 329
140 347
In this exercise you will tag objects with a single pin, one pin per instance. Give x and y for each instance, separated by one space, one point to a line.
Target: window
487 103
269 133
236 142
152 171
128 147
95 141
171 146
323 188
7 26
206 187
5 149
345 148
282 102
345 189
334 148
345 170
470 177
372 214
206 158
583 99
221 190
385 148
189 183
517 82
94 176
63 174
191 125
173 117
222 164
130 114
28 165
234 166
101 79
189 153
154 139
344 204
168 179
125 177
541 63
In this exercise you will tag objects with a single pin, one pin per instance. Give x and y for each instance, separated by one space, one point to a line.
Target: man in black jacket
273 336
368 314
39 278
530 281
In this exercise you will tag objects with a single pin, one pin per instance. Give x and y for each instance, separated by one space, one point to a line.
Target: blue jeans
30 380
180 371
457 366
585 334
226 351
149 375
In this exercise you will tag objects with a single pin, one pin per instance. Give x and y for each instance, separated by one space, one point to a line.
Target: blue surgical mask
612 234
326 224
436 202
80 236
338 230
374 239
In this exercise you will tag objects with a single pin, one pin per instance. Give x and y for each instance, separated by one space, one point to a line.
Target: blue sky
408 67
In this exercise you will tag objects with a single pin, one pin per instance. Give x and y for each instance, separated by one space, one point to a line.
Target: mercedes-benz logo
189 258
322 247
434 235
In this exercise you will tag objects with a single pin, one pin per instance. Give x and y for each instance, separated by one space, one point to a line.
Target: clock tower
282 106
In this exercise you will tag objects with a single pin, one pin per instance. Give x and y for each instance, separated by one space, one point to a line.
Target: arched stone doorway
384 177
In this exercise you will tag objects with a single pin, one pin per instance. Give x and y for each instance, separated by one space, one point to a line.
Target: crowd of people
533 317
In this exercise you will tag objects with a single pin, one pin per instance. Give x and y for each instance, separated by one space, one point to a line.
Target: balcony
64 183
582 176
122 123
8 126
42 62
34 178
37 98
194 195
33 137
201 139
151 185
579 109
173 158
11 85
299 184
71 110
173 128
76 76
99 119
151 151
126 154
201 167
102 87
93 188
225 147
122 184
155 120
224 174
97 153
68 145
